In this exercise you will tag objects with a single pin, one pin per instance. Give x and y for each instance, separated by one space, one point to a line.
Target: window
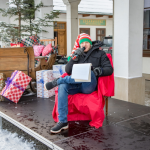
100 33
59 25
146 30
85 30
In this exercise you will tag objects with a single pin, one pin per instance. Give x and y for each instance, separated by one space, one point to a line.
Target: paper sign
81 72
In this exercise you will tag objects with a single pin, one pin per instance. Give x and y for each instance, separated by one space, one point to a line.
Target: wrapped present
2 84
42 77
58 70
15 86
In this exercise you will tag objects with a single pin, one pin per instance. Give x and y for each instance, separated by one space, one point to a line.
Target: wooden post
55 41
106 106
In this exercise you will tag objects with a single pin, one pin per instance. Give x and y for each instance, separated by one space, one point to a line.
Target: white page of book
81 72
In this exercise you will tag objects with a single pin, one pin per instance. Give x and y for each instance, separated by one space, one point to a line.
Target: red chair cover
88 106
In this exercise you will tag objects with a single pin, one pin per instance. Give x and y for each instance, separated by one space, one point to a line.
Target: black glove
97 71
77 53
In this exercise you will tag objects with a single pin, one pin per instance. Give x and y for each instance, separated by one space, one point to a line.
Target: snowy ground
11 141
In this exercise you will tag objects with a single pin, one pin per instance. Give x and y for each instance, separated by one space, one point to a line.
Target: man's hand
97 71
75 57
79 51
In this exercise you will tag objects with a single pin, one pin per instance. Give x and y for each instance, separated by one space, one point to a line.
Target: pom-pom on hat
83 37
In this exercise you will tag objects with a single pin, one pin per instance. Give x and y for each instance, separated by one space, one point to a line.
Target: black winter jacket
97 57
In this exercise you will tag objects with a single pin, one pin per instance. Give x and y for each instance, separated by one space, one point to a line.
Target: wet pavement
127 125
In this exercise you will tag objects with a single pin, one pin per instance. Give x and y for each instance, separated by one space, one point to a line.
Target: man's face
87 46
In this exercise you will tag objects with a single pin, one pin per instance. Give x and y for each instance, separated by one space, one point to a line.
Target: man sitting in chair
85 51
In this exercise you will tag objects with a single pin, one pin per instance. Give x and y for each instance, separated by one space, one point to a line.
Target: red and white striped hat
83 37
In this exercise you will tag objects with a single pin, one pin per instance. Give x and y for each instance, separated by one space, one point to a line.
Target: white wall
62 17
146 3
41 13
13 21
109 21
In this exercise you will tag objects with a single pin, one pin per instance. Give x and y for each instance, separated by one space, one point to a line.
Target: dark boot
50 85
58 127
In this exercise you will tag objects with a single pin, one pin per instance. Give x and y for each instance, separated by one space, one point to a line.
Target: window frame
84 29
146 52
100 34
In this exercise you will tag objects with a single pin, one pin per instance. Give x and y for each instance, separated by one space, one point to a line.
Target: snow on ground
11 141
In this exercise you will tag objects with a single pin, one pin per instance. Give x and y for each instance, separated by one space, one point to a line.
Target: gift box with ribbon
58 70
15 86
2 84
43 77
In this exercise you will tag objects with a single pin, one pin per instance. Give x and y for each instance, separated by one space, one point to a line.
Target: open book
81 72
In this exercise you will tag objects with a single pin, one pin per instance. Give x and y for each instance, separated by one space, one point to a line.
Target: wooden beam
110 16
85 15
99 16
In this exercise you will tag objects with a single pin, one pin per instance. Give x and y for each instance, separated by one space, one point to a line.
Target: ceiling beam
110 16
99 16
85 15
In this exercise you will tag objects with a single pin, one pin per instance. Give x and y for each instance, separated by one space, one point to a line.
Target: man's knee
63 87
88 90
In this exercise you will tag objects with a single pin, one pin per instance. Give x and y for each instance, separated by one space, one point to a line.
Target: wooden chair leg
106 105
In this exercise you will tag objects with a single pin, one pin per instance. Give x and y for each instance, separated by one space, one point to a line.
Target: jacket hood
97 44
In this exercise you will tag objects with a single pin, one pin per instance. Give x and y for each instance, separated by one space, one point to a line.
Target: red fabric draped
88 106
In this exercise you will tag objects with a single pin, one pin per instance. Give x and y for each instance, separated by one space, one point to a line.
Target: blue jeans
66 86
